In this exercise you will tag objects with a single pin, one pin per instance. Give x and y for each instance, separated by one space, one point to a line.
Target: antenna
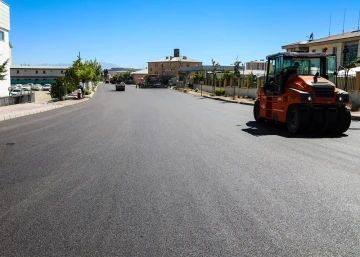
344 20
330 25
359 21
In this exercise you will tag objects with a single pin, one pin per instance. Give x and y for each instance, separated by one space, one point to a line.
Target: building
170 65
256 65
36 74
139 74
5 50
344 45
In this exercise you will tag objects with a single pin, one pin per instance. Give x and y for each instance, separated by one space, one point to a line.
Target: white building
36 74
5 51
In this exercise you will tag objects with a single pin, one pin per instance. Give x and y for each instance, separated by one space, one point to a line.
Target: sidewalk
354 115
19 110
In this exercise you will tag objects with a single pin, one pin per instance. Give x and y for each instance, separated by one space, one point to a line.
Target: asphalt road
156 172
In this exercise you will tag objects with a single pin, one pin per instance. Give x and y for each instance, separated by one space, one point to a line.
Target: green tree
85 72
236 71
227 74
58 89
215 66
71 80
198 75
3 69
355 62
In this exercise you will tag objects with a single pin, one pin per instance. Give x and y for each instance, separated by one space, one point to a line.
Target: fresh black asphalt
157 172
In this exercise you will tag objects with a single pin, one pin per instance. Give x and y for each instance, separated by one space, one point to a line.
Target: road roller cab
300 90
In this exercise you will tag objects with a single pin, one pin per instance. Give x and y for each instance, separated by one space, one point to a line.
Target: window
150 69
36 72
304 49
62 72
314 50
272 70
350 52
334 50
17 71
2 36
44 72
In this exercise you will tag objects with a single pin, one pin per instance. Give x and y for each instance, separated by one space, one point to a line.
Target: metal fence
19 99
346 83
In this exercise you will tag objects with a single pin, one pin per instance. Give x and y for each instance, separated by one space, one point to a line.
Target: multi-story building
36 74
344 45
256 65
170 65
5 50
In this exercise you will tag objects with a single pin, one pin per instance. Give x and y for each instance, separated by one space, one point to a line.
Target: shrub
220 91
196 89
58 89
87 92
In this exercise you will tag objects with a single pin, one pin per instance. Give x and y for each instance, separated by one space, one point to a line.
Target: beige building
256 65
36 74
170 65
139 74
344 45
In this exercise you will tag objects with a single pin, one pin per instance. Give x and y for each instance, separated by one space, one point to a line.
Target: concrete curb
21 114
92 93
228 100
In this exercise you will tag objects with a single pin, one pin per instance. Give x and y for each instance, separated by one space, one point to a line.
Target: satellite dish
311 37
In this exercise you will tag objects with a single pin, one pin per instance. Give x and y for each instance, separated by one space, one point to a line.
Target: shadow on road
271 128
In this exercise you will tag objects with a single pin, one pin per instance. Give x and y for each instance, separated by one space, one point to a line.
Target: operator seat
285 74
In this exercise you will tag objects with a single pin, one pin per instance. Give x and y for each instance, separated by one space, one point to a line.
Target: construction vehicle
300 90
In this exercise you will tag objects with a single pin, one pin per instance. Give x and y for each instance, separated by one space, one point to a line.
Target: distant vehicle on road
120 86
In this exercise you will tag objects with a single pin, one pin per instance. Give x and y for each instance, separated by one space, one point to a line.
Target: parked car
36 87
17 91
46 87
120 86
26 87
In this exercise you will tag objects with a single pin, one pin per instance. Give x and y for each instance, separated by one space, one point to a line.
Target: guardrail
19 99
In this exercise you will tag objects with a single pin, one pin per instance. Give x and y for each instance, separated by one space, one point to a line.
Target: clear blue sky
130 33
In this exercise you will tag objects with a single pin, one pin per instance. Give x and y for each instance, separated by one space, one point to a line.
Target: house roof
176 59
345 35
40 67
140 72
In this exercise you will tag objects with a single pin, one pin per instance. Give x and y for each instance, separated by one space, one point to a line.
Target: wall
249 92
136 77
4 46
